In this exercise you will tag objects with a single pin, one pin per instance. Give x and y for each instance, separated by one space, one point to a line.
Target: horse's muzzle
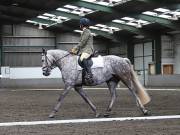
46 73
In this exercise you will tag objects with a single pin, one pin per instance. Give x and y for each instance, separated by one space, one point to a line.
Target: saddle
93 62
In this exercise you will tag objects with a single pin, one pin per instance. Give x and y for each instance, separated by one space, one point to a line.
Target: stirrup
89 81
89 78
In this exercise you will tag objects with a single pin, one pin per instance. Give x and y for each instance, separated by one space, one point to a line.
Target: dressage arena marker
31 123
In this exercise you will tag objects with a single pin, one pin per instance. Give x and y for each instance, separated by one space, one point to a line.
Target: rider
85 47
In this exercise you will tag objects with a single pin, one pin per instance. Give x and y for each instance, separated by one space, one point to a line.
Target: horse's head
47 63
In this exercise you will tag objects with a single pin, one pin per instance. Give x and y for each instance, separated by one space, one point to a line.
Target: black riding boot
88 74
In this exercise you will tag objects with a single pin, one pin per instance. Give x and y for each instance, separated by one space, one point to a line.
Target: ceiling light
139 25
118 21
40 26
104 29
174 17
128 18
103 3
63 9
37 23
59 20
111 30
132 24
150 13
43 17
81 13
86 9
75 12
163 10
89 0
177 12
49 15
70 7
78 31
114 28
101 25
29 21
110 3
165 16
107 2
94 27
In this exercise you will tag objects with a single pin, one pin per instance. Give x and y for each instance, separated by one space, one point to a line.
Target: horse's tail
140 90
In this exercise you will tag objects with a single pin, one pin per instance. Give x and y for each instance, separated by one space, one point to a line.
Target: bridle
47 59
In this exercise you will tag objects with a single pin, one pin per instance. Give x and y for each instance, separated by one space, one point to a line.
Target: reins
63 57
56 60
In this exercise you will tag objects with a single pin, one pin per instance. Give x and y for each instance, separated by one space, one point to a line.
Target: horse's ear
44 51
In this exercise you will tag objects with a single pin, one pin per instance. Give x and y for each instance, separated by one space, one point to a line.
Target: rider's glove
74 51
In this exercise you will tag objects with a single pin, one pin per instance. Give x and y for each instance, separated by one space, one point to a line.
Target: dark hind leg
83 94
130 85
112 84
62 96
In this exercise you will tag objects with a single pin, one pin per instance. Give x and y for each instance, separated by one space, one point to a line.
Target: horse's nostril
46 74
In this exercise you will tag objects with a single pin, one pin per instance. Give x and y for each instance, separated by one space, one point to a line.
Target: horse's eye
42 60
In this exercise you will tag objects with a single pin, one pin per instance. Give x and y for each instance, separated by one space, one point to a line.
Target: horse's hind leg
62 96
130 85
83 94
112 84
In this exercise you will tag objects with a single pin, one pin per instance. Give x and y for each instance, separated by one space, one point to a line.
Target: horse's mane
57 52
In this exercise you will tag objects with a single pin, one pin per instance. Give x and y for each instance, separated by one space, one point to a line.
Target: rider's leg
84 56
84 59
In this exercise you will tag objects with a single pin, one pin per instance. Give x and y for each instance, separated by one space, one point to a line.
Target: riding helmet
84 22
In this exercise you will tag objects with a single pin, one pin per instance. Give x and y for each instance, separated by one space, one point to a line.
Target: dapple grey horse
115 69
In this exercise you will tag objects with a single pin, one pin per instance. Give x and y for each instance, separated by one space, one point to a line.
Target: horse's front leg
112 84
83 94
62 96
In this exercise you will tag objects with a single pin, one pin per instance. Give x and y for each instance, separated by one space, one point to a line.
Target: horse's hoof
97 115
107 114
147 113
52 115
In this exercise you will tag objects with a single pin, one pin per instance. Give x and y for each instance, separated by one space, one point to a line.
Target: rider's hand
74 51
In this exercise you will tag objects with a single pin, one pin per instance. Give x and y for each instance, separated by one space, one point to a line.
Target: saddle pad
97 62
